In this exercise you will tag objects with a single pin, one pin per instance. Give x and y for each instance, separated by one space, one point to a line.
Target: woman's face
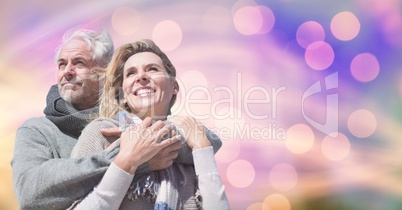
147 87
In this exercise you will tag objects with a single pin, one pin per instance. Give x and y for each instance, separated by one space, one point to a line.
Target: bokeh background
305 94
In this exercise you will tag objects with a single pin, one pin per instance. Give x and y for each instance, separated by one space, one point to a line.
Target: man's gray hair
100 44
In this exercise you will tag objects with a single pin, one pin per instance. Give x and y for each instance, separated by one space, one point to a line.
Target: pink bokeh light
345 26
365 67
319 55
309 32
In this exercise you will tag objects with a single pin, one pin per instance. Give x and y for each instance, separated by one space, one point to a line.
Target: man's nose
69 72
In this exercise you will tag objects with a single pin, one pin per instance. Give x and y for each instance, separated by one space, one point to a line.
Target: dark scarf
69 120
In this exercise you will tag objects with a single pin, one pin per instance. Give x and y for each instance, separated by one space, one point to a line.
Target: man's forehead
75 48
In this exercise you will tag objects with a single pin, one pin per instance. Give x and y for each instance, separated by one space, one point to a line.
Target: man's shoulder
104 121
37 122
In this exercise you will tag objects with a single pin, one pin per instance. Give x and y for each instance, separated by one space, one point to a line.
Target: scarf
69 120
159 187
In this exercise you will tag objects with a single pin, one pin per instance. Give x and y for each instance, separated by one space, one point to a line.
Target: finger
111 131
173 132
146 123
172 147
164 132
173 155
156 126
169 141
169 134
111 146
176 146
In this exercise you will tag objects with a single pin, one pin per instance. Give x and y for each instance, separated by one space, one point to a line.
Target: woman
140 80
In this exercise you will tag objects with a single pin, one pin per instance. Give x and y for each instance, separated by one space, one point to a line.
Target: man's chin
67 94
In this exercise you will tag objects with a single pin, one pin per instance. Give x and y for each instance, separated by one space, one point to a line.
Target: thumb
115 131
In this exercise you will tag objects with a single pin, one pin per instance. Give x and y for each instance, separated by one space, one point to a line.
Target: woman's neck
153 116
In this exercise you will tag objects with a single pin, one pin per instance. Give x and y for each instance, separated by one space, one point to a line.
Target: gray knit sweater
44 176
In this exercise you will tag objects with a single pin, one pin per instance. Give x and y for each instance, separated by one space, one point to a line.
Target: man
44 176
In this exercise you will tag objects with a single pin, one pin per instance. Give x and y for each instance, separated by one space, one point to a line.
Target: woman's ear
175 87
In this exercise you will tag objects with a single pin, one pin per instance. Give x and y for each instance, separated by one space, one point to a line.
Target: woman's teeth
144 92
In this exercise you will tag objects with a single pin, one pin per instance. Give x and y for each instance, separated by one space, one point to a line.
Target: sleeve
92 141
42 181
209 182
110 192
185 153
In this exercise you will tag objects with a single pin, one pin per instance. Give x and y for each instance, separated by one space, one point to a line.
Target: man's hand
140 143
115 131
161 160
165 157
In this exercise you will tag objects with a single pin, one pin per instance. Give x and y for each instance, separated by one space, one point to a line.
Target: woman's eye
129 73
153 69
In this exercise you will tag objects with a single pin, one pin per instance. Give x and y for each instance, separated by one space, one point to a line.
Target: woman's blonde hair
111 100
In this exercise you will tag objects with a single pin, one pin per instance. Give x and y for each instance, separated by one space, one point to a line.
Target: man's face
74 75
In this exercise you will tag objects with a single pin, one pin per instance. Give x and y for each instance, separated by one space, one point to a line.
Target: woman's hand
140 143
192 131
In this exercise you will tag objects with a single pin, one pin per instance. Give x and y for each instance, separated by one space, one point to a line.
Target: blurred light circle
268 19
345 26
126 21
299 138
319 55
192 79
283 177
243 3
248 20
335 149
255 206
276 202
217 20
240 173
309 32
167 35
365 67
362 123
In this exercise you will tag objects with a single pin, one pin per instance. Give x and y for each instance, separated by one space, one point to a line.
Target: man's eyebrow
80 58
60 60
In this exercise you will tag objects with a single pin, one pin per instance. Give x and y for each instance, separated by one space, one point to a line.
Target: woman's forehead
142 59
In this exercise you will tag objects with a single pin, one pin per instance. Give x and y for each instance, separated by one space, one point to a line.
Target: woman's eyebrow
132 68
152 64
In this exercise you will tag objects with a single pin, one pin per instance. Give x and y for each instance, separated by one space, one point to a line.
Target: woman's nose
142 76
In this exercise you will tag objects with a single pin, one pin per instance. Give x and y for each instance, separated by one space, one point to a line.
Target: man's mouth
69 83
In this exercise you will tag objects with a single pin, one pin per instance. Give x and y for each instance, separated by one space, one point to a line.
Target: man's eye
62 66
81 63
